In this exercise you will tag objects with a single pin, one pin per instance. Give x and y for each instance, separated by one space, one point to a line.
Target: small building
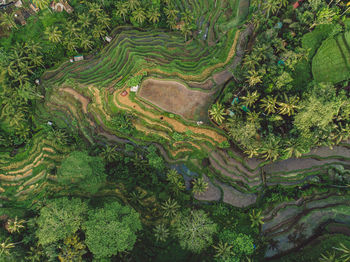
19 18
108 39
297 4
124 93
78 58
134 89
60 6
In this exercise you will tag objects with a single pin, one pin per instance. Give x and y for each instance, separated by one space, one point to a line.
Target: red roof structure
297 4
124 93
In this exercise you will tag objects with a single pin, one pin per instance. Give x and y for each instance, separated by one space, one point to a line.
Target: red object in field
296 4
124 93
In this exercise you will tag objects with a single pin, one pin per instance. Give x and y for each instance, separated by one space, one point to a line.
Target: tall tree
122 9
111 230
139 15
8 20
53 34
217 112
195 231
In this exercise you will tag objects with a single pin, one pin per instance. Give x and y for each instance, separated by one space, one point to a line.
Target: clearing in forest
173 96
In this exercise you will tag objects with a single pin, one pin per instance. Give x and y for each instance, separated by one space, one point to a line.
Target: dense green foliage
84 171
111 229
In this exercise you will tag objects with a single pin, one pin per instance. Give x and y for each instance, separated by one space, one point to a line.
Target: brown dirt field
174 97
177 125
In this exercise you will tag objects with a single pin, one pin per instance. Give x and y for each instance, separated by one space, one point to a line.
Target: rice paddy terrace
178 82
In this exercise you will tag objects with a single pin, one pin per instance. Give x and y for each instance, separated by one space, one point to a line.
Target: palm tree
253 78
85 41
104 20
199 186
84 20
294 149
288 107
36 60
187 17
171 23
71 44
251 98
20 78
5 247
345 252
171 12
41 3
109 153
161 232
170 208
153 15
185 30
256 218
139 15
175 179
14 225
223 251
98 31
32 47
122 9
95 9
72 29
329 257
132 4
269 104
270 148
53 34
8 20
217 112
270 6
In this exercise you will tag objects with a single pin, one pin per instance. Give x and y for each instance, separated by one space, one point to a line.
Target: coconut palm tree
270 6
269 104
289 105
104 20
122 9
72 29
95 9
41 3
84 20
185 30
170 208
187 17
161 232
253 78
132 4
5 247
217 112
345 256
171 23
109 153
53 34
139 15
250 98
294 149
14 225
329 257
176 181
36 60
256 218
8 20
153 15
71 44
98 31
171 12
223 251
270 148
199 186
32 47
85 41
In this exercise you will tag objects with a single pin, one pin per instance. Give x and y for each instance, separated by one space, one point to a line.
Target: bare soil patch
174 97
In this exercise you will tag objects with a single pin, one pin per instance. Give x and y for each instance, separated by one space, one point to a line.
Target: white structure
134 89
78 58
37 81
199 123
18 3
108 39
71 60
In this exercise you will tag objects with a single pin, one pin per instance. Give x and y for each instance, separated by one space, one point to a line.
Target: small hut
60 6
